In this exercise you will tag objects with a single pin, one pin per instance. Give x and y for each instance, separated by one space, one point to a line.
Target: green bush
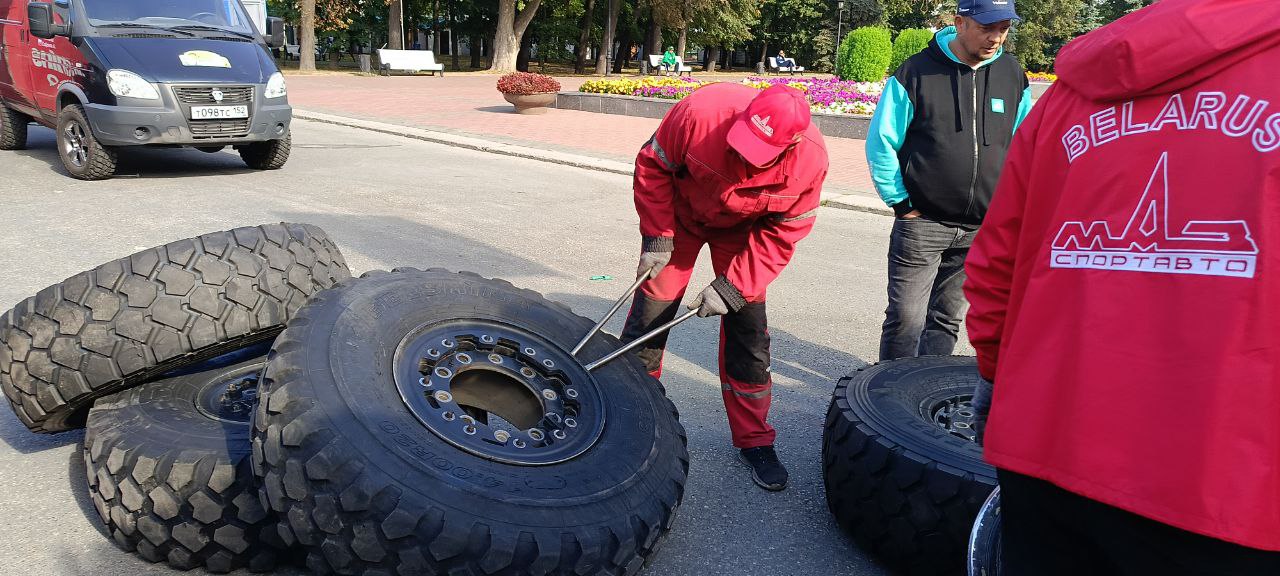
864 55
908 43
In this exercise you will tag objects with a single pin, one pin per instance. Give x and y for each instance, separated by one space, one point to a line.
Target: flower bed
641 87
1042 77
827 95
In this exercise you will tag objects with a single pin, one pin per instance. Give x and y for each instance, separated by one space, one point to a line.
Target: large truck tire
82 154
427 422
902 473
269 155
13 129
169 471
132 319
986 542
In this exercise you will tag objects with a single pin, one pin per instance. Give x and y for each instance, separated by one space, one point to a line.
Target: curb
856 202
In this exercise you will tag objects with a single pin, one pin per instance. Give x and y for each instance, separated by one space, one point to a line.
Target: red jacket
688 172
1125 287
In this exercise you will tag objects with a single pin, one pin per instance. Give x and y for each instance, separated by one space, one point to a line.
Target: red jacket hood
1191 39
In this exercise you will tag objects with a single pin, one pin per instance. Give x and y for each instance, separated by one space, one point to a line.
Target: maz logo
1147 244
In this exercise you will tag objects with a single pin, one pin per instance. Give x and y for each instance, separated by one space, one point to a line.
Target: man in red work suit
741 170
1125 301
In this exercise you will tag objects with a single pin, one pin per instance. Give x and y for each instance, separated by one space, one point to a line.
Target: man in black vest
935 146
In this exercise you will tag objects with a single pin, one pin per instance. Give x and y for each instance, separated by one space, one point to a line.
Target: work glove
709 303
981 408
655 254
721 297
651 263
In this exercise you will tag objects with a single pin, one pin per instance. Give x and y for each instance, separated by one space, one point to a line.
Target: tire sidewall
167 416
888 398
356 337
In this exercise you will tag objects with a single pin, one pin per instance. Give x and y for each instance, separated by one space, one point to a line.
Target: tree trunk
713 56
435 30
655 38
307 44
606 45
477 47
623 54
764 52
453 36
511 27
395 19
584 39
681 43
542 54
522 57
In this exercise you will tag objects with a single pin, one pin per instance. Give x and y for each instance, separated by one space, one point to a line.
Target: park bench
411 61
655 63
775 69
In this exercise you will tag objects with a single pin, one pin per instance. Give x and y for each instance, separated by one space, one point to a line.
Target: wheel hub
231 397
954 414
499 392
74 147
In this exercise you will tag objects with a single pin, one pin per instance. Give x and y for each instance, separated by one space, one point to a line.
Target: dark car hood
160 59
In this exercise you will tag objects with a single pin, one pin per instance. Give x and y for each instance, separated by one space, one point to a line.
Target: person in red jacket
741 170
1125 302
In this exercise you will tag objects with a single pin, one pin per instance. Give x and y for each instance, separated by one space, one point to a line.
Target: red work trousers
745 381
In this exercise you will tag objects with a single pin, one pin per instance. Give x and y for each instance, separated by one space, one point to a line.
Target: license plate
218 112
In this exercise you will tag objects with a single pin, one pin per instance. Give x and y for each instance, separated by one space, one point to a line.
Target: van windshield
200 14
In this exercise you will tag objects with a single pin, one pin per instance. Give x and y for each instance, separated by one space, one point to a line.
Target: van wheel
13 129
269 155
82 155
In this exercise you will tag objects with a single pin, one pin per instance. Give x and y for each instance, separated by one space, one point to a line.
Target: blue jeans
926 277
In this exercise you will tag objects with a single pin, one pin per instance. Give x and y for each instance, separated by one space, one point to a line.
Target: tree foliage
1046 26
907 44
865 54
806 29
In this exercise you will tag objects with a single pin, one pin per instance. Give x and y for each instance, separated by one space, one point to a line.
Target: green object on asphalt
601 278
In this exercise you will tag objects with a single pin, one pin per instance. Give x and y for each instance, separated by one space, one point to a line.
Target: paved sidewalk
470 105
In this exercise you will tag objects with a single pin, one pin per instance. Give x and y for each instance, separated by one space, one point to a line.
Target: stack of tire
902 473
247 403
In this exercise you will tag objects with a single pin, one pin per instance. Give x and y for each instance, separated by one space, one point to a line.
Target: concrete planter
532 103
1038 88
831 125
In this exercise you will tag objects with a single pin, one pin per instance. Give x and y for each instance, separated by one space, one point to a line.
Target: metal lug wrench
634 343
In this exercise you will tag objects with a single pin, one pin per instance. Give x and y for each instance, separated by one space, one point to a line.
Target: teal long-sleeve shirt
888 128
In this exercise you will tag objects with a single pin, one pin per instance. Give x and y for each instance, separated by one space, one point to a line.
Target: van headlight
276 87
126 84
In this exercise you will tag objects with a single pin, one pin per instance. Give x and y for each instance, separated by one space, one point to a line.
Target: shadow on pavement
79 482
142 162
24 441
792 356
417 245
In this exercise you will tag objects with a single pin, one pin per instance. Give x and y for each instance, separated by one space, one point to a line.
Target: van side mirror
275 32
40 20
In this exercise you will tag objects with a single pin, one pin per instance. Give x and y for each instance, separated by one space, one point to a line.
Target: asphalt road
392 202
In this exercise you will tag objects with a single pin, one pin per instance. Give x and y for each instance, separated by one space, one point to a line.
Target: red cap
769 124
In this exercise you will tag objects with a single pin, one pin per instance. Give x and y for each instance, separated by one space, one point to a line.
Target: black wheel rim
231 396
951 412
499 392
73 144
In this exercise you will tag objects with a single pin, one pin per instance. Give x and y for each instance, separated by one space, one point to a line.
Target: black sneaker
766 469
